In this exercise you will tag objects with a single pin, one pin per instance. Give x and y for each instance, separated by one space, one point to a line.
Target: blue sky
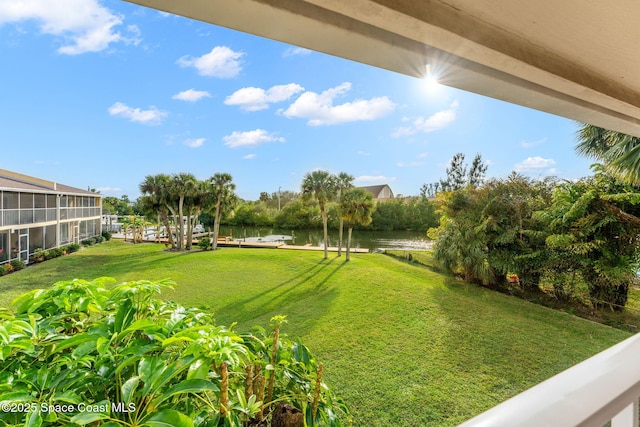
102 93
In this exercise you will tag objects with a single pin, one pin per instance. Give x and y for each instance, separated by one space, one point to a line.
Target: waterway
407 240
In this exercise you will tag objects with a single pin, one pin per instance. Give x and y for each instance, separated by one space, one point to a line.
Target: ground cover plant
402 345
78 353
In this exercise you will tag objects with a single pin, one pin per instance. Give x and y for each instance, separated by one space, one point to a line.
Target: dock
228 242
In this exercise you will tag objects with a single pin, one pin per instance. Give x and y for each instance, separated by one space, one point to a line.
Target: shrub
98 239
53 253
106 234
5 269
17 264
39 254
204 243
88 242
125 346
72 247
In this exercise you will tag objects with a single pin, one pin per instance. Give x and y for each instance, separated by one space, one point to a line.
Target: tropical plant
618 153
80 353
157 199
320 185
225 198
344 181
594 230
357 206
181 186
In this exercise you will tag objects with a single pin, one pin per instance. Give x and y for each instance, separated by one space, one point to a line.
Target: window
9 200
26 200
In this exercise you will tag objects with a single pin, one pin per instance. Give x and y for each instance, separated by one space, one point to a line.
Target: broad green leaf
124 316
198 370
129 388
33 419
84 418
188 386
75 340
169 418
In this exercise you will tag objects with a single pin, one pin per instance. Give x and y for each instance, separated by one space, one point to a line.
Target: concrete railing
603 388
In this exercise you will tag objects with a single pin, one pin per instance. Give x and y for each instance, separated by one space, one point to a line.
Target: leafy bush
106 234
88 242
5 269
135 360
204 243
72 247
98 239
17 264
53 253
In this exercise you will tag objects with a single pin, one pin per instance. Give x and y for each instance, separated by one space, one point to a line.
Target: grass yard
404 346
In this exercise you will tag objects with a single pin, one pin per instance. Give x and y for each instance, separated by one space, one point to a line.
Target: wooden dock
227 242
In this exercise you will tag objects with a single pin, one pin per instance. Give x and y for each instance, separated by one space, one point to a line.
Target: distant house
36 213
380 192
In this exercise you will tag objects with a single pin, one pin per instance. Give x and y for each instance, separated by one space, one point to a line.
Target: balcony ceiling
578 59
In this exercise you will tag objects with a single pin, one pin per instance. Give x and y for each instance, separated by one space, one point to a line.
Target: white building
36 213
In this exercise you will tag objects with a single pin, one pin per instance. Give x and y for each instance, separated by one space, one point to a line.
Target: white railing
603 388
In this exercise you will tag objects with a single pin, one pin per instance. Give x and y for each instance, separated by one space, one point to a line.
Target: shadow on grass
287 294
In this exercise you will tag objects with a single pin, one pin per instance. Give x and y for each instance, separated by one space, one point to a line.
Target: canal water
408 240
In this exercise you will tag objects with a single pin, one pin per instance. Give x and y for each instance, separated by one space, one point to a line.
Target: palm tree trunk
180 225
340 236
348 258
216 225
326 240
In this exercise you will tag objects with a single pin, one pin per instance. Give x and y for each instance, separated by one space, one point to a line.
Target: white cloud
436 121
409 164
191 95
363 153
368 179
535 165
83 25
194 143
295 51
249 156
221 62
255 99
529 144
319 108
250 138
152 116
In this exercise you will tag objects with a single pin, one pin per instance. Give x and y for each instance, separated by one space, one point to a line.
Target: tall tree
181 186
225 197
344 181
320 185
156 198
459 176
619 153
356 206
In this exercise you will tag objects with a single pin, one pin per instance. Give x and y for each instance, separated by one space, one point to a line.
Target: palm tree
343 182
225 197
356 206
320 185
619 153
182 185
202 198
155 198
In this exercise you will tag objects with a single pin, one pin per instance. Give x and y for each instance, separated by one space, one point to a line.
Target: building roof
377 189
15 181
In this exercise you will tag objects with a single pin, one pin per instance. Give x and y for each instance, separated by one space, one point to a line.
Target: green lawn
403 345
